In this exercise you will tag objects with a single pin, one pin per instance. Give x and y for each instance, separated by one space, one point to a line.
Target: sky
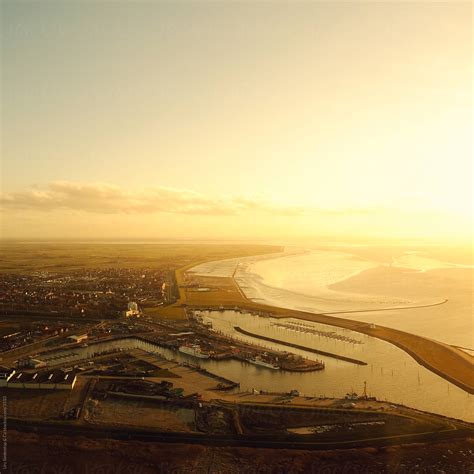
225 120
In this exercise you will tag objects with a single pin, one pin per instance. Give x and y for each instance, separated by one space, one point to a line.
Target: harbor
385 365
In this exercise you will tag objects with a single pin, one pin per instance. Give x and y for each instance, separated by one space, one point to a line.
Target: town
90 293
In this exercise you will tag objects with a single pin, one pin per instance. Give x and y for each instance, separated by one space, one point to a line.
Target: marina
303 348
305 328
386 366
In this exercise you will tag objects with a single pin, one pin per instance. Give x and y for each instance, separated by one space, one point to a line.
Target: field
19 257
33 404
139 413
37 404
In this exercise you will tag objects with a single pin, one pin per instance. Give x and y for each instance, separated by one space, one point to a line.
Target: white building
132 310
56 380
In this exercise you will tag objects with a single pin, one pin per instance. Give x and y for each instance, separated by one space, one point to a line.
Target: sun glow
247 119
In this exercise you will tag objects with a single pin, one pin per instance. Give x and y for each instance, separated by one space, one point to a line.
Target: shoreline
327 285
448 362
408 306
327 295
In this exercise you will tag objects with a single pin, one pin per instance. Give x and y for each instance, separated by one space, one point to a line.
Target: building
49 380
132 310
77 338
29 363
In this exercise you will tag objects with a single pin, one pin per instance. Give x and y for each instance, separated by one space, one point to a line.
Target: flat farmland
19 257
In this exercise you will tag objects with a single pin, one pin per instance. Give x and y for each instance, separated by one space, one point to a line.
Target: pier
303 348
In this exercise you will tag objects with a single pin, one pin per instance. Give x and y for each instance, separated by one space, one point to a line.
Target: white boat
194 351
258 361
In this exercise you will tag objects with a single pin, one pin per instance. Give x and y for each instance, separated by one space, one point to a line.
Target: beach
430 298
431 360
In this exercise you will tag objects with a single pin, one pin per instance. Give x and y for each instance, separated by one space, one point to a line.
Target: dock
303 348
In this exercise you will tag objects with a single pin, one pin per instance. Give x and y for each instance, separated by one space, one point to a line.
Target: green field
17 257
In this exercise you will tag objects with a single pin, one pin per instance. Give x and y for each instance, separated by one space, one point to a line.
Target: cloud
107 198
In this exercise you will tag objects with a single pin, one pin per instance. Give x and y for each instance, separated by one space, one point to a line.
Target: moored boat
259 361
194 351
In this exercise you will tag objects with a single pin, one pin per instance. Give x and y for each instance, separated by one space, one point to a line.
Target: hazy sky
188 119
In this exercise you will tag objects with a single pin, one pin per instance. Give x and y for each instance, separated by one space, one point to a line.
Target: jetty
303 348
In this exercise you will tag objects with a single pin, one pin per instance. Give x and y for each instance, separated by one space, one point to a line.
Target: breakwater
303 348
